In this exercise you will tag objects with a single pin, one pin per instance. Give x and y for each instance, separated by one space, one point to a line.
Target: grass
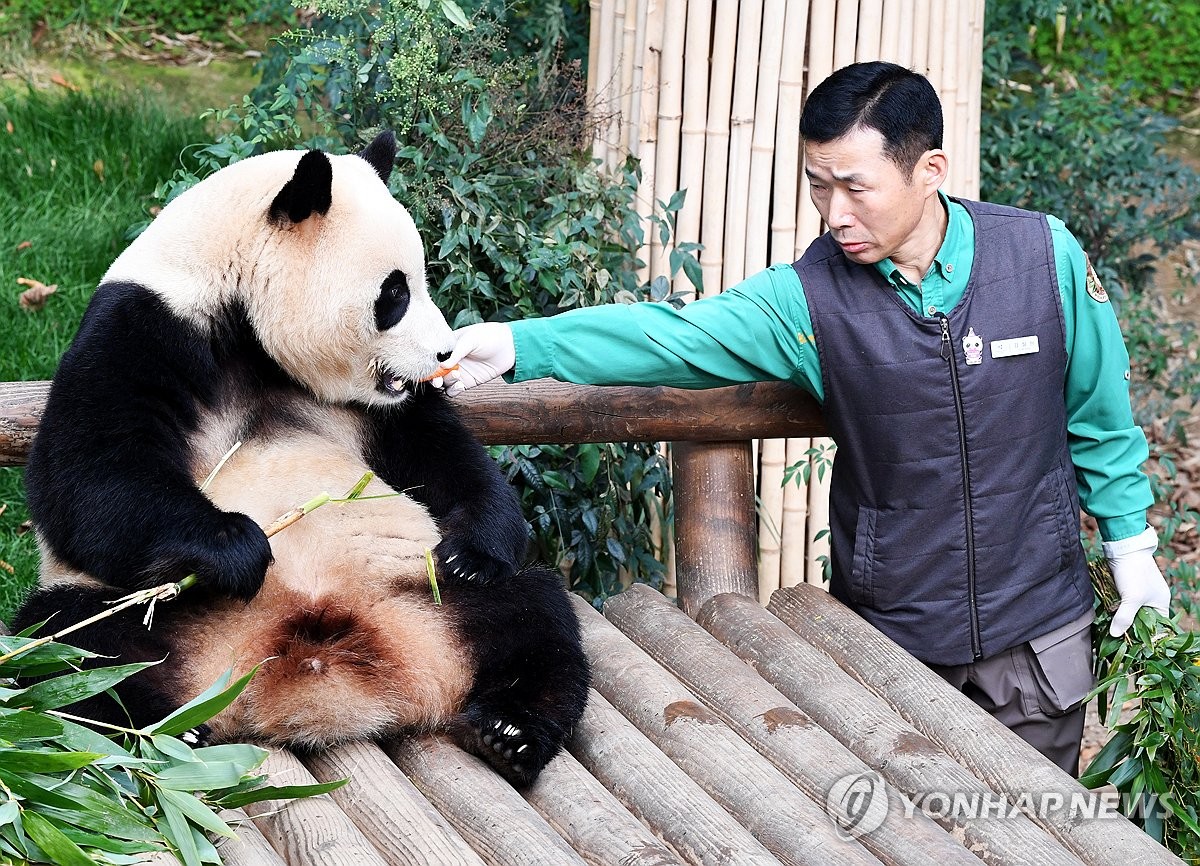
76 172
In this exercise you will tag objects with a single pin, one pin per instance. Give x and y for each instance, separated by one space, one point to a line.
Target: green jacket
760 330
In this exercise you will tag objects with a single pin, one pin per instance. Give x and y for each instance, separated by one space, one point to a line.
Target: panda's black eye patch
392 303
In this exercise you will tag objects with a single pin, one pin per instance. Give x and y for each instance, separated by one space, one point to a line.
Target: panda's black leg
532 681
119 639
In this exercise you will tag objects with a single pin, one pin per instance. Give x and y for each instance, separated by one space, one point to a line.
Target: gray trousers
1036 689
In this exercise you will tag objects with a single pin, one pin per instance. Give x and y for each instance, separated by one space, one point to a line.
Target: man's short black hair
898 103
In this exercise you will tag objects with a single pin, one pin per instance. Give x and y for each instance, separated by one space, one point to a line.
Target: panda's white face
327 266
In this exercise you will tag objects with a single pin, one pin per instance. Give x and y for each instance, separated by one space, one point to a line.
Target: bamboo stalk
631 72
670 115
920 36
762 144
890 35
795 518
594 20
818 519
820 65
716 144
624 34
648 112
603 106
770 513
845 34
870 23
904 50
741 136
692 130
977 21
948 90
787 136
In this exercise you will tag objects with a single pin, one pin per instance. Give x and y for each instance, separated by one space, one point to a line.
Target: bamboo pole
770 517
795 518
626 36
670 116
761 798
865 724
994 753
890 30
594 20
741 138
948 90
787 133
648 113
692 130
976 93
603 106
756 250
818 514
716 145
920 36
904 50
820 67
638 82
845 34
870 35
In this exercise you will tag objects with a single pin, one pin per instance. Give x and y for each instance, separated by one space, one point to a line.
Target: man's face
871 206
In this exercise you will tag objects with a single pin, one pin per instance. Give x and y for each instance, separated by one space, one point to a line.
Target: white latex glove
1138 578
481 353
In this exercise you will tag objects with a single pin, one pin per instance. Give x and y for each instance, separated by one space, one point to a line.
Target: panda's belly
376 546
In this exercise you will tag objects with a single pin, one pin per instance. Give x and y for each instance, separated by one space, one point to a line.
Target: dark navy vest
954 517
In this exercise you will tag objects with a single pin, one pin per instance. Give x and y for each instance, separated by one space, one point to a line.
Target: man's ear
931 169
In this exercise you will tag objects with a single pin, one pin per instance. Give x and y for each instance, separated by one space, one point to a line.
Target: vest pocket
1068 538
862 570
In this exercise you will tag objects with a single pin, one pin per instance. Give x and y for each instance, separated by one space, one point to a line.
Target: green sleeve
1107 447
759 330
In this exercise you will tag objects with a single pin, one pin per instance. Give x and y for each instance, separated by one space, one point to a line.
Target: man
973 375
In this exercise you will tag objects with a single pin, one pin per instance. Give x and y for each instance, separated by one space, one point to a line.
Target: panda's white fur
281 303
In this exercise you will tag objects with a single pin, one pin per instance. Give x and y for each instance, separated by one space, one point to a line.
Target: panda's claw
503 733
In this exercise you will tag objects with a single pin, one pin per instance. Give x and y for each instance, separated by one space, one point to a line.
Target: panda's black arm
108 481
423 448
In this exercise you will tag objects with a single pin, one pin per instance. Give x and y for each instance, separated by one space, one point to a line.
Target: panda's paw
198 737
516 744
460 561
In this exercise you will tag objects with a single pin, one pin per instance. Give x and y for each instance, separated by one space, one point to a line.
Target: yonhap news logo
857 804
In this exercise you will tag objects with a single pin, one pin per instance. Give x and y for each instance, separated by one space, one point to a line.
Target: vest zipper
947 352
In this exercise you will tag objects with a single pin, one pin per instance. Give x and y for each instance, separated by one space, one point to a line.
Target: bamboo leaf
173 748
83 739
81 806
178 833
244 755
53 842
44 761
17 725
283 792
199 777
71 688
205 705
196 812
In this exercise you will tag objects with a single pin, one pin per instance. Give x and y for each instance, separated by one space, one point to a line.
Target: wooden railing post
715 546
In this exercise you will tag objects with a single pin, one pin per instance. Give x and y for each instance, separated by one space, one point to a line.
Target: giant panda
281 303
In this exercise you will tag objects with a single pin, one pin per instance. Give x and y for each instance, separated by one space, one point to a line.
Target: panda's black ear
309 191
381 154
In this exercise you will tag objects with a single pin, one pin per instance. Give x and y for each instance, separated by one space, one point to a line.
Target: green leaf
244 755
205 705
79 805
44 761
51 840
199 777
71 688
173 748
455 15
589 462
282 792
196 812
178 833
83 739
17 725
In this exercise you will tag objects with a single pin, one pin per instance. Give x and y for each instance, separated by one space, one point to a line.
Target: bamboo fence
710 102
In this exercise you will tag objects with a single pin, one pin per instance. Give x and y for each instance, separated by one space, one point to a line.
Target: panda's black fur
128 432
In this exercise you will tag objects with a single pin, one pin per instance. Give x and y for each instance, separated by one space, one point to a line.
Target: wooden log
388 808
550 412
866 725
807 754
660 794
762 799
250 848
958 725
312 831
715 547
485 809
591 819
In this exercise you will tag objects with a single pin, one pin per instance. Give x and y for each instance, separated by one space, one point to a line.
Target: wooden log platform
793 735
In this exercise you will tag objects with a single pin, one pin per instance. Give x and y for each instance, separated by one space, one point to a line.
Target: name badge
1015 346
